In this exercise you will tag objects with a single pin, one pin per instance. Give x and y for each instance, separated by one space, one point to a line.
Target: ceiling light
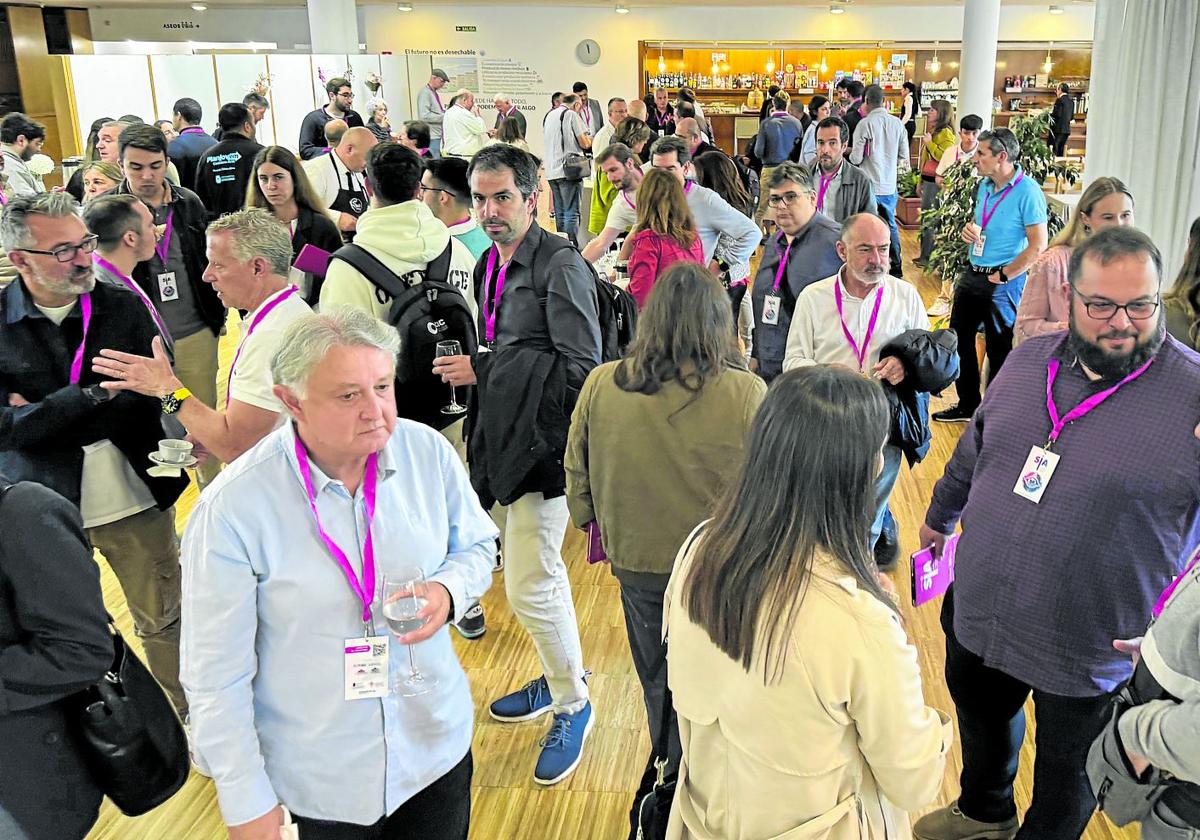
837 10
662 62
879 60
621 10
771 58
824 66
935 66
1056 10
404 7
199 7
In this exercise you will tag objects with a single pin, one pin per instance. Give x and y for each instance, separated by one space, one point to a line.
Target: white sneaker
499 564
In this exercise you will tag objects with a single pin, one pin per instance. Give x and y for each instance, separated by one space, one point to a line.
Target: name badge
770 313
977 248
366 667
1036 473
168 289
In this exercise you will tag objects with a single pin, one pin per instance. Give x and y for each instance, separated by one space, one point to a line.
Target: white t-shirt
623 213
953 155
109 489
251 382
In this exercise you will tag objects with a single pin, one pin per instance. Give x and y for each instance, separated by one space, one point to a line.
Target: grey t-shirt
181 312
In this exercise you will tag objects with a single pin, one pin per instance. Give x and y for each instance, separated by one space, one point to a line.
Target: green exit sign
464 29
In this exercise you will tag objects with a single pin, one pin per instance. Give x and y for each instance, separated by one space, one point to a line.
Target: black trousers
991 723
1060 144
973 308
643 608
441 811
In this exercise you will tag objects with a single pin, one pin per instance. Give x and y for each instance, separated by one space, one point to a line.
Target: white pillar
333 27
977 70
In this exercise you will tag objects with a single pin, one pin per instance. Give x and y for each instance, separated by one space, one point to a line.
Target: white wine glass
451 348
403 598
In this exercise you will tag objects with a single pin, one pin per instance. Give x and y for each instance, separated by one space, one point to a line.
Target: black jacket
54 641
1064 112
42 441
930 362
312 131
318 230
660 126
190 221
223 173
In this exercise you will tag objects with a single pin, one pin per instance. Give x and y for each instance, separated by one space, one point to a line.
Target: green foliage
908 184
956 199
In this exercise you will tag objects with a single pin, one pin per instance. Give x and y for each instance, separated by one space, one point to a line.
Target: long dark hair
941 107
302 188
717 171
685 334
510 131
807 486
1186 290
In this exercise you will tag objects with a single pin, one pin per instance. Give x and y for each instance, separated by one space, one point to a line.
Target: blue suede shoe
562 748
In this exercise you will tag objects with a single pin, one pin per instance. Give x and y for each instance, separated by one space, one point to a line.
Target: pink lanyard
821 190
491 299
688 187
163 247
783 259
137 290
625 196
437 99
1084 408
364 589
85 304
779 113
279 298
1170 590
587 115
3 199
987 214
860 353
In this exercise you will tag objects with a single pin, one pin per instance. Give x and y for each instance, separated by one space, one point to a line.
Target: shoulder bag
576 166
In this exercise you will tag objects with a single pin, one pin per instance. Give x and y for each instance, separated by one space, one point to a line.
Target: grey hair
373 106
1002 140
256 233
14 224
792 172
307 341
1110 245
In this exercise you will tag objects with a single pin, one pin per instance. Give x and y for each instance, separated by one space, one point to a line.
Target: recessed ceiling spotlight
199 7
1056 10
621 10
404 7
837 10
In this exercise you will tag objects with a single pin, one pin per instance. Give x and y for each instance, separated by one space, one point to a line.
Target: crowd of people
733 458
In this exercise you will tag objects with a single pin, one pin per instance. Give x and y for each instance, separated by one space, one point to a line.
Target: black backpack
617 308
423 314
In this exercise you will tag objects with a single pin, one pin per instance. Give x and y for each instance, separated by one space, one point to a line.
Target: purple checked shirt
1042 589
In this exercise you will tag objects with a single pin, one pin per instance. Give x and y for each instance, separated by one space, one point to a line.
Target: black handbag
129 735
652 803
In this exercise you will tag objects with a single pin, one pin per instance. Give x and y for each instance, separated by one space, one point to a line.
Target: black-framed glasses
425 189
66 253
785 200
346 95
1106 310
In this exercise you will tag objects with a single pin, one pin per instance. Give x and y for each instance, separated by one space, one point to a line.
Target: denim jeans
566 206
991 724
890 202
535 580
929 192
892 456
435 147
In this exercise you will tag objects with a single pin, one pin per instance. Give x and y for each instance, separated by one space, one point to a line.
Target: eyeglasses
425 189
1138 310
785 200
346 95
66 253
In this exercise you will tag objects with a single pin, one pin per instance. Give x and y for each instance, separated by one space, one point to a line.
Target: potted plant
908 208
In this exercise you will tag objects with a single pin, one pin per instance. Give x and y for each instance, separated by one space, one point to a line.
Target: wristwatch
98 395
172 401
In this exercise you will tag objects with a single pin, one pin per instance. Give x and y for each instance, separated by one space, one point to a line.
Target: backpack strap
439 268
369 266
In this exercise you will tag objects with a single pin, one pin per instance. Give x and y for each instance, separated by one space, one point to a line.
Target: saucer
187 464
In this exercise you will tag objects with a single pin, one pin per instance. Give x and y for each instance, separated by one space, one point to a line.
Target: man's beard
1116 365
80 281
27 153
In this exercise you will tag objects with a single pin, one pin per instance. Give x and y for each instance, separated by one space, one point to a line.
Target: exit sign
464 29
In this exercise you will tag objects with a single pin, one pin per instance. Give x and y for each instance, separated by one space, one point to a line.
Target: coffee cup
174 451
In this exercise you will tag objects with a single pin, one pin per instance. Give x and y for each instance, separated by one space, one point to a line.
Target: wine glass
451 348
403 597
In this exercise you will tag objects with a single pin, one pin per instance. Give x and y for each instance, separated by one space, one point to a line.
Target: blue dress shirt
266 610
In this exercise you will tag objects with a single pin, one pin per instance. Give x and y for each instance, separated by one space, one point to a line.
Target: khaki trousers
143 551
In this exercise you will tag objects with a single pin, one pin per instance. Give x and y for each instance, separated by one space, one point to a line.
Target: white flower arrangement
41 165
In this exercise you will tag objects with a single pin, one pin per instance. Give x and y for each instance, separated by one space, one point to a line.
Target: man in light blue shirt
269 614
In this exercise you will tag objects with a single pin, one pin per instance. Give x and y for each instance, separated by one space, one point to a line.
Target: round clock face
588 51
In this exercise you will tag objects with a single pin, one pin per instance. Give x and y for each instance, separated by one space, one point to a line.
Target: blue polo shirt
1024 204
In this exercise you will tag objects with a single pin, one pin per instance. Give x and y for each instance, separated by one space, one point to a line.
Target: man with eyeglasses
803 251
1078 491
61 428
445 191
312 130
1005 237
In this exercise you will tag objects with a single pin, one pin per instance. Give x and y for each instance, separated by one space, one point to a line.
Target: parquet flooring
593 803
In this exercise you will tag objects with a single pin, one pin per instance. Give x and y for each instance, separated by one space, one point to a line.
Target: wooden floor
593 803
